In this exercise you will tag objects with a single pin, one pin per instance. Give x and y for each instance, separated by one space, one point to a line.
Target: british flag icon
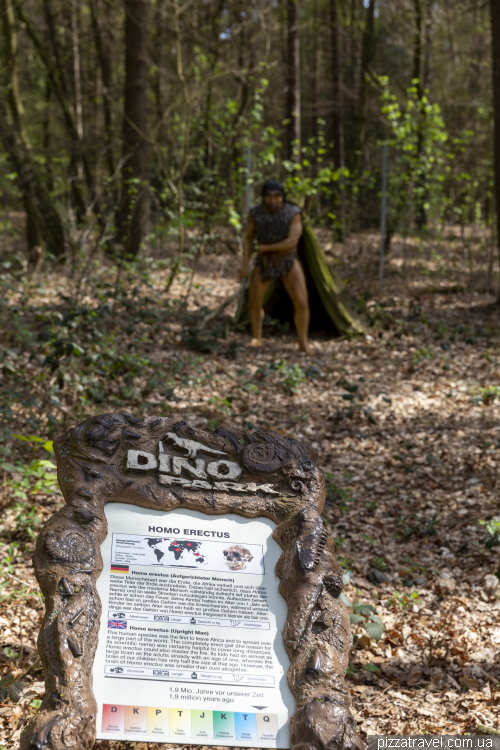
117 624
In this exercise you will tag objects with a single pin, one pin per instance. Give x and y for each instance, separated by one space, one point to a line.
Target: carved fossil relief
162 465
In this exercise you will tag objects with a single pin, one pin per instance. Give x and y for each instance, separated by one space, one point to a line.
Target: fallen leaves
407 481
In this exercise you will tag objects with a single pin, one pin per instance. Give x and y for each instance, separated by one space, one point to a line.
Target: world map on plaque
172 552
178 547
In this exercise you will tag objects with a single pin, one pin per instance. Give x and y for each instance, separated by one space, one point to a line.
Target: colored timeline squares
194 723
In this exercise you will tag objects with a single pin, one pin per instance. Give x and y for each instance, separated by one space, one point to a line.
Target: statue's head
273 195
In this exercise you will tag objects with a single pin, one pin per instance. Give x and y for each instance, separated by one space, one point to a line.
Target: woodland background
124 124
125 129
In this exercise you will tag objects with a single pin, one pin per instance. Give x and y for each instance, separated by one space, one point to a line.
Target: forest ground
406 423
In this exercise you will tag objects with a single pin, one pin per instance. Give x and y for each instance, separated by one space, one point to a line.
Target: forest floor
405 420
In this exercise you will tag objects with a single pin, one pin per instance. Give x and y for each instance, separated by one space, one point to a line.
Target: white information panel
190 645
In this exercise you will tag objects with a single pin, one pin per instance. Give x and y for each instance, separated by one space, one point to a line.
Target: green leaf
354 619
346 601
375 630
364 609
346 578
15 691
372 668
10 688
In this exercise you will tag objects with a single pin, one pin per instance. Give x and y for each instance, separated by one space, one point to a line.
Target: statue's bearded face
273 201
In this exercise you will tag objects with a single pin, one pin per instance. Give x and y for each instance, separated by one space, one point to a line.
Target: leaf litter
406 424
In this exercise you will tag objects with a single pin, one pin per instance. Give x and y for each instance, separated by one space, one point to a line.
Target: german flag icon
119 568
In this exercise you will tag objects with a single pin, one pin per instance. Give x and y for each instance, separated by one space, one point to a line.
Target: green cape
328 306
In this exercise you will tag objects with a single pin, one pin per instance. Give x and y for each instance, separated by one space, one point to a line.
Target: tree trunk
337 114
107 83
495 48
314 80
417 50
337 118
42 219
134 211
420 71
293 144
367 51
30 184
358 139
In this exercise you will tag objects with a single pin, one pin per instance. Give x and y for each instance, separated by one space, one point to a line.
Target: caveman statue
276 224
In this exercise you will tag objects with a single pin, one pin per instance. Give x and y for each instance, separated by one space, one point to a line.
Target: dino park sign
194 473
192 592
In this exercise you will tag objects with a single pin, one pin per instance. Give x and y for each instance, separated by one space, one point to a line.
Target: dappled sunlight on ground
406 422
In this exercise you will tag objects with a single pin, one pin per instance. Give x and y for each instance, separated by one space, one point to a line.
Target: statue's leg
256 298
295 285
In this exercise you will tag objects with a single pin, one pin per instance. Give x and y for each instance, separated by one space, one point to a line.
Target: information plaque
193 623
192 593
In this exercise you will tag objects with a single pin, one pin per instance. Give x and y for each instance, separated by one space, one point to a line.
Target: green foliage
365 615
338 495
492 527
419 161
37 476
417 526
486 395
11 688
27 520
35 441
420 355
293 377
404 600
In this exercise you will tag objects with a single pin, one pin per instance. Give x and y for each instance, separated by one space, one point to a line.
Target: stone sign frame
122 458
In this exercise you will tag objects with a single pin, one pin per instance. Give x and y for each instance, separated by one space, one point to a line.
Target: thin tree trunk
134 212
35 195
53 62
367 51
107 83
418 76
16 143
337 113
314 81
159 47
358 140
495 47
293 139
337 116
417 50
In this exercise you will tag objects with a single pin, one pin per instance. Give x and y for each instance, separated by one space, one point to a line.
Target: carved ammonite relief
70 545
165 464
258 457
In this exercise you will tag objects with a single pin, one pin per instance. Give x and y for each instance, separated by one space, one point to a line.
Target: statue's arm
291 242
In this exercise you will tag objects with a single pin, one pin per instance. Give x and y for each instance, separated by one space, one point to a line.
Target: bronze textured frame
92 471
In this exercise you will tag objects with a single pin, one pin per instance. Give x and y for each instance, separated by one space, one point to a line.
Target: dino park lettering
191 472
